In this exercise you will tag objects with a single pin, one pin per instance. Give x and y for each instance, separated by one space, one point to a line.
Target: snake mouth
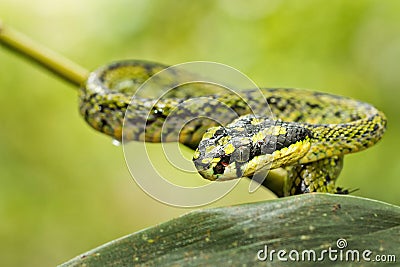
222 171
212 169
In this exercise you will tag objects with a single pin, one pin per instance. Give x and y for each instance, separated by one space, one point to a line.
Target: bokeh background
65 189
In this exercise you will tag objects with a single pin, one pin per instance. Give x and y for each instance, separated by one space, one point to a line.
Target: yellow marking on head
206 160
255 121
196 154
210 133
224 140
209 149
228 149
258 137
215 160
275 130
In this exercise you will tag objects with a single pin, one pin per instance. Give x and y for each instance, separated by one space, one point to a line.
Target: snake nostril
241 154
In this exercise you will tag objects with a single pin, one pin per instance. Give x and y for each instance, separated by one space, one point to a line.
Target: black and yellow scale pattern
300 134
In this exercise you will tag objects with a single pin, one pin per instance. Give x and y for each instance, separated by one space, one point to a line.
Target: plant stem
59 65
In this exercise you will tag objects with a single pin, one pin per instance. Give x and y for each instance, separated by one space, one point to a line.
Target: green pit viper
304 140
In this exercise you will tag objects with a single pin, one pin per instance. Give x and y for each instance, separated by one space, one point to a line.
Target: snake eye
241 154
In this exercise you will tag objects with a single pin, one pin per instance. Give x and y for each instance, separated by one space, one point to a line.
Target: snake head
249 144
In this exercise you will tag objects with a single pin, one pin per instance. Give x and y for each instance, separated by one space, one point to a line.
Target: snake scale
304 135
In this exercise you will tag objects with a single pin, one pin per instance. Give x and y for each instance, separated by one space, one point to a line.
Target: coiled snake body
304 137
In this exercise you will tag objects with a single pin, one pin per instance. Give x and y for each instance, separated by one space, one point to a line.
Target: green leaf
234 235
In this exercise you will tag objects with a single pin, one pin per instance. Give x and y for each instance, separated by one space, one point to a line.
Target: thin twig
41 55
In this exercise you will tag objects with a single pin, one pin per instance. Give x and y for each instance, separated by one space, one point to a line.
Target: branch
59 65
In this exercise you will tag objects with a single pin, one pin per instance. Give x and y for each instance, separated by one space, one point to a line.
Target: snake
299 135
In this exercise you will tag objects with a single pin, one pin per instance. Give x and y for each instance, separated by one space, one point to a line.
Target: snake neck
339 139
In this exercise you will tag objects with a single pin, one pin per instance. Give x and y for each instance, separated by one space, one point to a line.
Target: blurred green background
66 189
